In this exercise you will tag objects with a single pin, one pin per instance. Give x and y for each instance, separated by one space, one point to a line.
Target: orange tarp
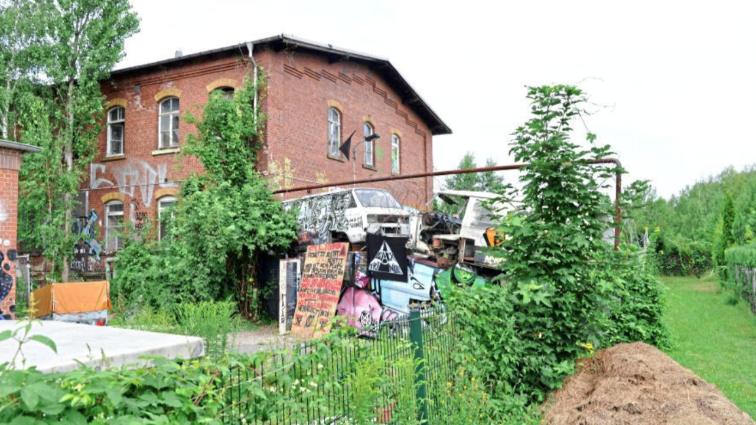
71 297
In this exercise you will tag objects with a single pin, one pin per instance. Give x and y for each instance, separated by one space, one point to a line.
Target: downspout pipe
250 54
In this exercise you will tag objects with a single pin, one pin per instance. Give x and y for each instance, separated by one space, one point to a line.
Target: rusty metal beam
508 167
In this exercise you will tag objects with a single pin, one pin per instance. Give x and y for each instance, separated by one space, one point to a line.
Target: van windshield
372 198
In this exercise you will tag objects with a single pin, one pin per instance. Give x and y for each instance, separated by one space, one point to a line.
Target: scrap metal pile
363 256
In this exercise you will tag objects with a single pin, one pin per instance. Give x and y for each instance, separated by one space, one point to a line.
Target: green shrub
213 321
679 257
741 275
634 302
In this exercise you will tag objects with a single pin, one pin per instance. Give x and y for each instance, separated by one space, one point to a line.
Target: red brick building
10 162
315 96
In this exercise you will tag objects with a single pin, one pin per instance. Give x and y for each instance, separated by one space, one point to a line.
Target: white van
348 214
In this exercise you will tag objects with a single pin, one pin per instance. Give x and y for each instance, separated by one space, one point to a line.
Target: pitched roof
382 67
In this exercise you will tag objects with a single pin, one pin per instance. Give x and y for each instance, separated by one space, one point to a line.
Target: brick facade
10 161
301 84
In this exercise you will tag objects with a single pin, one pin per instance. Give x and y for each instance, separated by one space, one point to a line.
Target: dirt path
638 384
264 338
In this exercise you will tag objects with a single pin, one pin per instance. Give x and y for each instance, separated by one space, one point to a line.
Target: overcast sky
673 83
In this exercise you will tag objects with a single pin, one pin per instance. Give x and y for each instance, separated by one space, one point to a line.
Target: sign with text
319 289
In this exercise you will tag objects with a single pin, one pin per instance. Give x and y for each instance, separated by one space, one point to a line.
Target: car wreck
348 215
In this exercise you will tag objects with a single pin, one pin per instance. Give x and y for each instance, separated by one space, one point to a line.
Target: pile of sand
638 384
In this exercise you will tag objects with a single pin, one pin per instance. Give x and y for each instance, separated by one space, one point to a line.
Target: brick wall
300 88
10 161
144 173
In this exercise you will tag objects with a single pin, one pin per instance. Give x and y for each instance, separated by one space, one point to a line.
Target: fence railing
399 375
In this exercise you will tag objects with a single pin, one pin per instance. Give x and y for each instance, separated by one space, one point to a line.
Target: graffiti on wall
87 249
132 178
365 306
323 215
7 278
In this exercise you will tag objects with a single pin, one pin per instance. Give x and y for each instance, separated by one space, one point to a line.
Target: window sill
369 167
166 151
335 158
114 157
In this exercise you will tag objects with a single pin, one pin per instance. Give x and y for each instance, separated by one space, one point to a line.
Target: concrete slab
95 346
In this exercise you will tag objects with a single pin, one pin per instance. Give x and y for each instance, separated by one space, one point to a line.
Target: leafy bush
565 292
680 257
634 302
223 220
214 322
169 392
741 275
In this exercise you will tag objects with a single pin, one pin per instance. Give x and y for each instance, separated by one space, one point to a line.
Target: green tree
552 256
82 42
489 181
224 220
21 29
464 181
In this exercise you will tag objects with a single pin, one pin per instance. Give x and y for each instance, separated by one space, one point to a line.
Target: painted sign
318 294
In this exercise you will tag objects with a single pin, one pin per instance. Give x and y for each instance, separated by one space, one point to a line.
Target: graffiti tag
7 278
131 178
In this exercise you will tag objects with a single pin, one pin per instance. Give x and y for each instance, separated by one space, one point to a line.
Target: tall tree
21 31
489 181
83 41
552 250
464 181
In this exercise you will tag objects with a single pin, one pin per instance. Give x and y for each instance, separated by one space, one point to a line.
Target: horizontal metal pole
507 167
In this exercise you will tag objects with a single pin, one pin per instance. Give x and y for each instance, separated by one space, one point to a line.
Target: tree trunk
68 157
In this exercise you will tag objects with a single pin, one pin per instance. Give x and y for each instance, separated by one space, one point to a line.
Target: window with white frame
395 154
116 130
367 131
165 215
334 132
169 123
113 225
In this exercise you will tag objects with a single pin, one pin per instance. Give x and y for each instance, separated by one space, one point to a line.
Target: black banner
387 257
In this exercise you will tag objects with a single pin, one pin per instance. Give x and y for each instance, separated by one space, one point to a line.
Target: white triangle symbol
385 262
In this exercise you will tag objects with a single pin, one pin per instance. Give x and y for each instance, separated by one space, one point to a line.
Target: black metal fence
400 375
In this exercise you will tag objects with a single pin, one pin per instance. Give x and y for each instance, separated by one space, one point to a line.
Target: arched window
169 123
334 132
165 214
225 91
367 131
116 130
395 154
113 225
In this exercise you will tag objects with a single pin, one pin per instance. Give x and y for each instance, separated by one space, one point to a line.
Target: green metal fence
400 374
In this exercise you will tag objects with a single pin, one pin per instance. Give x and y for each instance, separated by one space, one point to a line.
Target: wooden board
319 289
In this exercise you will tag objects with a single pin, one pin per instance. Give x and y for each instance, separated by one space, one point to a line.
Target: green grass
715 340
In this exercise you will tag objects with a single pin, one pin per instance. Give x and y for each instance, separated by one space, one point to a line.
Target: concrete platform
95 346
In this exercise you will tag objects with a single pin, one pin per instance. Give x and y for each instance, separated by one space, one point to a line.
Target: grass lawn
715 340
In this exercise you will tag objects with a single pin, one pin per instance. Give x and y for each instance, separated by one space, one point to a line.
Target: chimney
178 54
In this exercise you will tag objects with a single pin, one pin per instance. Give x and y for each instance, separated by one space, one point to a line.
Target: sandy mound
638 384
